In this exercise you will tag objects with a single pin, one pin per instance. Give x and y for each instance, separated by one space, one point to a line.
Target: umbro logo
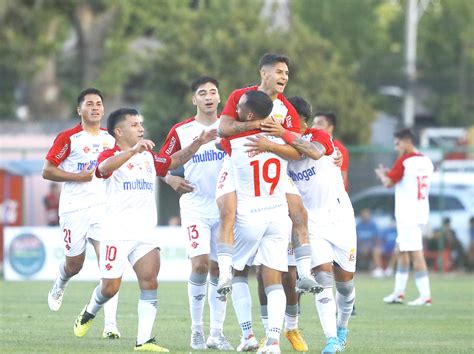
200 297
324 300
130 166
108 266
194 244
86 149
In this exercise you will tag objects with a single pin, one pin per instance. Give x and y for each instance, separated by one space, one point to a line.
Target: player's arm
182 156
312 149
258 143
178 183
229 126
54 173
114 162
381 173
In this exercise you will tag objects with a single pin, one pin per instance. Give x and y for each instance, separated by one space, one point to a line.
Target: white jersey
260 181
411 175
131 202
71 151
201 170
319 182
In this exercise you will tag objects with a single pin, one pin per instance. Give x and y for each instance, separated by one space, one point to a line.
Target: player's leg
146 263
227 205
95 233
345 299
217 302
401 279
113 259
74 237
262 298
300 241
198 234
292 331
421 279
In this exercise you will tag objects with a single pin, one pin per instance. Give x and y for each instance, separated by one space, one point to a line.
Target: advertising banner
34 253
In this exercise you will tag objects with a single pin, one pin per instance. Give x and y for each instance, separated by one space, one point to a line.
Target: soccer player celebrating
72 160
274 75
130 171
199 214
331 223
262 225
411 175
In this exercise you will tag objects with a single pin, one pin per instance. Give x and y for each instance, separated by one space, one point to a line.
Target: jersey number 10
266 177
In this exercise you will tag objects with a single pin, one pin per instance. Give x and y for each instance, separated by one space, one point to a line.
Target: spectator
51 204
470 249
367 233
385 255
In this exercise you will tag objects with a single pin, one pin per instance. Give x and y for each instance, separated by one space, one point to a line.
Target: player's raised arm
259 143
229 126
381 173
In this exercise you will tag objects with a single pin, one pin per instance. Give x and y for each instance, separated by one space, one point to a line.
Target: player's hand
258 143
143 145
338 159
381 171
86 174
272 127
207 136
179 184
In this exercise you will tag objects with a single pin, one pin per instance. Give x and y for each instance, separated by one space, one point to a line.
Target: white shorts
266 244
201 236
114 255
409 237
333 237
80 225
225 180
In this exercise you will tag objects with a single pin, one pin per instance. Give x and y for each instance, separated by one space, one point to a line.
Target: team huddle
260 188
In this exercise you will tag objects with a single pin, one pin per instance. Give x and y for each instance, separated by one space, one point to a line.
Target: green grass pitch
27 325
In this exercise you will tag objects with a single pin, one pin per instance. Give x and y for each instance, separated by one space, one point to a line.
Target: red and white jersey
71 151
260 181
283 111
201 170
131 203
411 175
320 181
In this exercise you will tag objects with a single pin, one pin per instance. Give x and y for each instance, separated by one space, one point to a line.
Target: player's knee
325 279
72 268
110 288
289 278
345 288
200 268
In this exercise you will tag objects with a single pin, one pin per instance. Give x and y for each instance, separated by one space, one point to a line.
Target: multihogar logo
27 254
302 176
81 165
139 184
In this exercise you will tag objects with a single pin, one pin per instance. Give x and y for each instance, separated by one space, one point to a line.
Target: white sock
97 301
423 284
401 279
110 313
291 317
63 278
276 303
264 317
242 301
303 260
224 259
326 307
345 303
147 308
217 308
197 287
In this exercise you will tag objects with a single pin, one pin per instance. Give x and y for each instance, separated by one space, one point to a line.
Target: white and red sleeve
104 155
324 139
162 163
397 170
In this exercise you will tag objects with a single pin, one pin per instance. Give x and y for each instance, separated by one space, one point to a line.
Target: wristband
289 137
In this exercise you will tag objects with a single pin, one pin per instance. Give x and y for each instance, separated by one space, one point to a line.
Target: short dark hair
118 116
272 59
302 106
88 91
405 134
259 103
203 80
330 117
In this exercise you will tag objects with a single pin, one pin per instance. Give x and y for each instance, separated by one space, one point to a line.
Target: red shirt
345 161
283 111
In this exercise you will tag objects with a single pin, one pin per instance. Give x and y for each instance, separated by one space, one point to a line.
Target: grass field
27 325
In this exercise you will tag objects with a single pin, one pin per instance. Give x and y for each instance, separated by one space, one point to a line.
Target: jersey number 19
273 180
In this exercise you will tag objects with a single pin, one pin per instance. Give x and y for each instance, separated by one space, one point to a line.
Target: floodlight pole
414 12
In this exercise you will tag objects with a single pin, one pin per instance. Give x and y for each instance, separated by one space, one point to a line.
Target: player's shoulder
187 123
68 133
239 92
